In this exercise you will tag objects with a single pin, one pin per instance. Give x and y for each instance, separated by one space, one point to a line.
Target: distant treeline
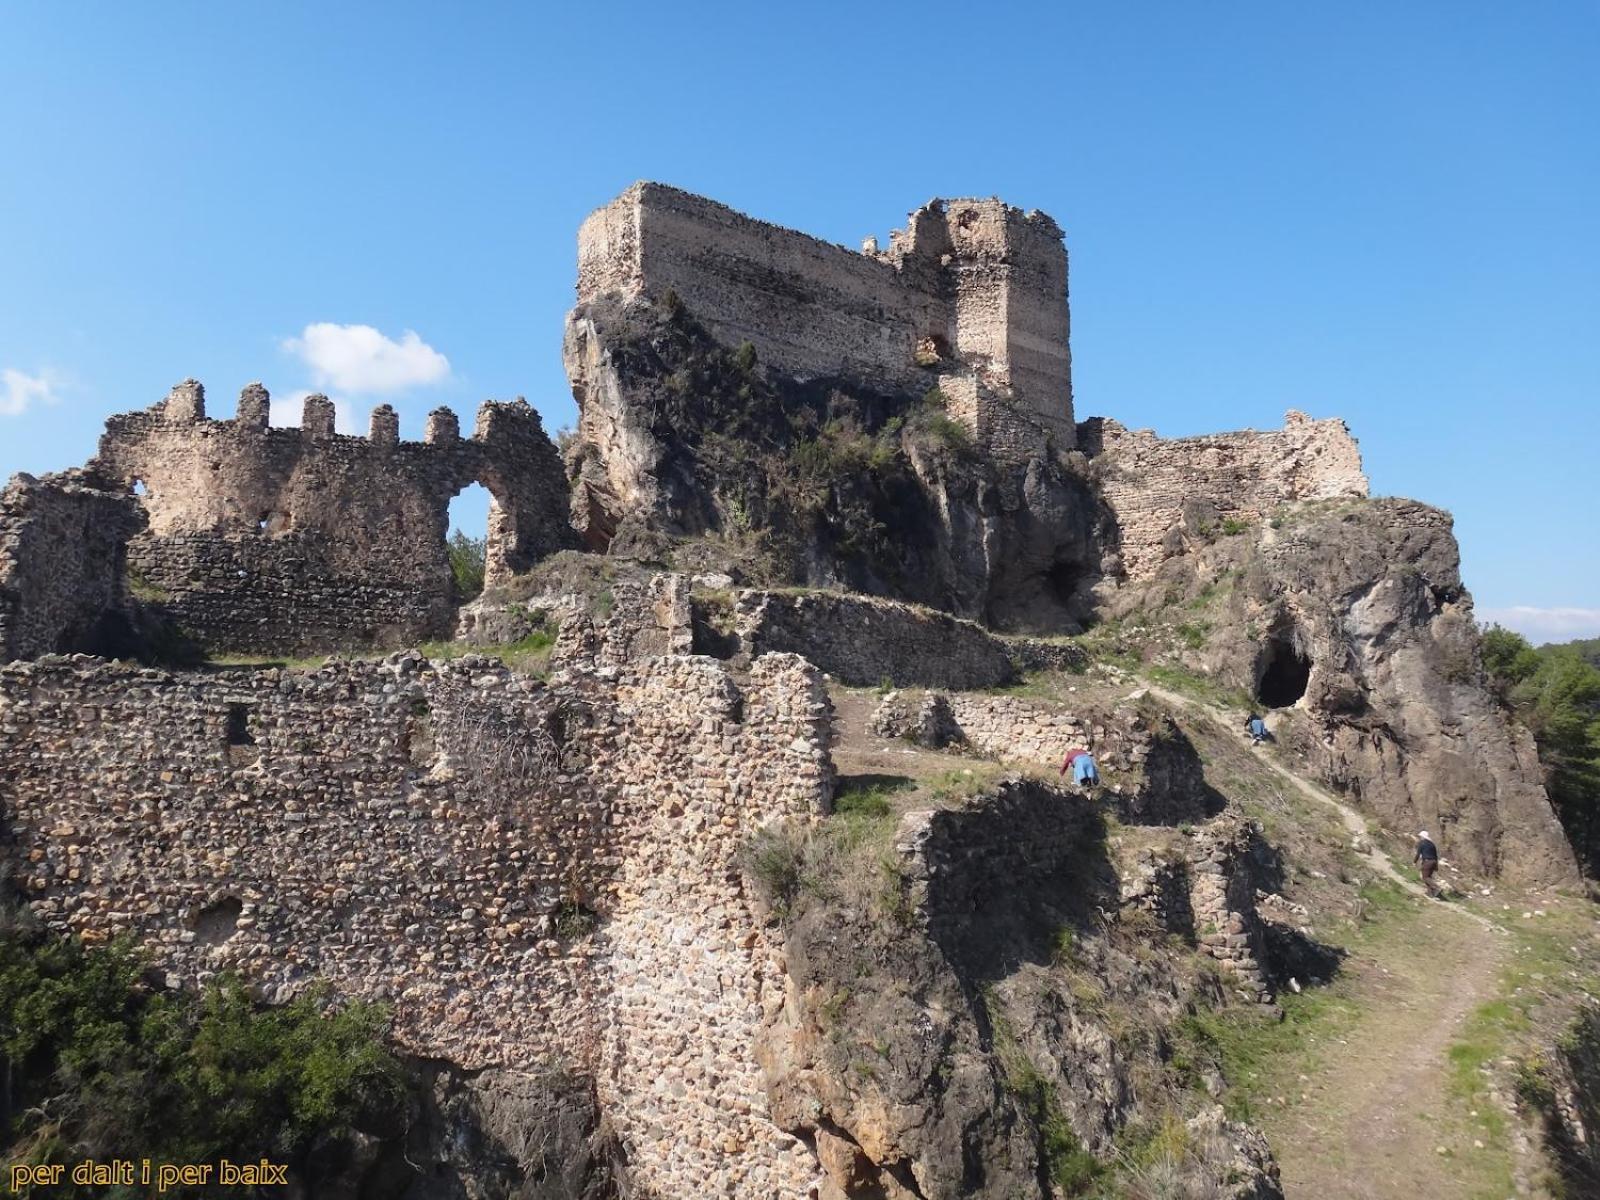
1555 691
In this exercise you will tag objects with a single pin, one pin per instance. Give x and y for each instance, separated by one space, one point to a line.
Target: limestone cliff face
1352 617
821 482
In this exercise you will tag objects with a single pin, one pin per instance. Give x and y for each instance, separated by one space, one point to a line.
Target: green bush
103 1066
775 859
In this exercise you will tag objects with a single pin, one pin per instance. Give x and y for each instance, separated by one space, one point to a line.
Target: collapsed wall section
1147 480
63 550
528 874
297 539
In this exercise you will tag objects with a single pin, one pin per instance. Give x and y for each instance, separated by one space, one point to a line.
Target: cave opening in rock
1064 584
1283 673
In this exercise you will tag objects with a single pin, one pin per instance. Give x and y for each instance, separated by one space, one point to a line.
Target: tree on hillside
467 557
1555 691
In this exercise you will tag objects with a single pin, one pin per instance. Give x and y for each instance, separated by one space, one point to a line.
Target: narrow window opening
238 726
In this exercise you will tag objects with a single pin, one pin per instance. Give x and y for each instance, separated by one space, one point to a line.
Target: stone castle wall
971 297
1151 773
529 874
1146 480
291 540
63 548
862 641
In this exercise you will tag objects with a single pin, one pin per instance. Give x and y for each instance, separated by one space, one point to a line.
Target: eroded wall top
1146 480
972 295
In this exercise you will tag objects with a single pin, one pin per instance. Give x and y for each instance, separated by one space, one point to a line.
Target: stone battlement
289 539
970 297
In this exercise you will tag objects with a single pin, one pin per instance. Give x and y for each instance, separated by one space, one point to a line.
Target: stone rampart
529 873
1151 771
971 297
862 641
1147 480
63 549
291 540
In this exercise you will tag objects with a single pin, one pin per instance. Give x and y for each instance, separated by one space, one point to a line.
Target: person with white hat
1427 860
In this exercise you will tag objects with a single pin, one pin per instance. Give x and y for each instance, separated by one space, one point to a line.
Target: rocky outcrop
1351 617
820 482
968 1047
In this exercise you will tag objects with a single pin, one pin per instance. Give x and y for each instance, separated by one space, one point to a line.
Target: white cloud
1545 624
287 411
20 391
358 358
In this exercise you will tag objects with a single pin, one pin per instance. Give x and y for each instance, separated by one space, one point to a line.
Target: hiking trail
1369 1120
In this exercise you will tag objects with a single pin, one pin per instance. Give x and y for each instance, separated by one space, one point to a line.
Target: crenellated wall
291 540
528 873
970 297
1146 480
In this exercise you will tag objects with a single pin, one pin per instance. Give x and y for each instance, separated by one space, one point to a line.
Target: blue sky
1385 212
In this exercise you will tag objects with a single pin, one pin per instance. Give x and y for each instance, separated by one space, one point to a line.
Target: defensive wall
288 540
1151 772
63 551
1146 480
530 873
971 297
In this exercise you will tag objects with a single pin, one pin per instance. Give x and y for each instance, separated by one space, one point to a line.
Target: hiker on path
1257 728
1427 860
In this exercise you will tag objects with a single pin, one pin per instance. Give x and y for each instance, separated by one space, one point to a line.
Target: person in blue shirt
1084 773
1257 728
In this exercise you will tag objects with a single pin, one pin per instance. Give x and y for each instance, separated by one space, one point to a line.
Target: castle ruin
559 870
298 539
971 298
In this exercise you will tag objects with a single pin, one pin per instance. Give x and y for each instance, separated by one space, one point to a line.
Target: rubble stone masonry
528 873
63 542
1146 480
971 297
292 540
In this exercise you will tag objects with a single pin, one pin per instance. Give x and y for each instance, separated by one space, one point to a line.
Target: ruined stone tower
971 298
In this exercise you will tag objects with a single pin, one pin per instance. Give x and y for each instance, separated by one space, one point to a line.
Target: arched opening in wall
139 489
467 540
1283 670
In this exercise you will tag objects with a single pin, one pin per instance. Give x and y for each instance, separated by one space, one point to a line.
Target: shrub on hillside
103 1066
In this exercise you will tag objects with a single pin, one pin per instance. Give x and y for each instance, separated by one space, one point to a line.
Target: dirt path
1367 1116
1368 1121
